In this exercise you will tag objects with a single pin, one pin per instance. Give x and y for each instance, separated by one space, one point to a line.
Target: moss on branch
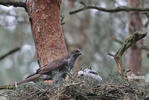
130 41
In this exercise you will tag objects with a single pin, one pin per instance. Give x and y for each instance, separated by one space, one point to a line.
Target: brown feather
31 78
57 64
61 65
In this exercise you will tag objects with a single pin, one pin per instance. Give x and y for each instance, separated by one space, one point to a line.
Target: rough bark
46 29
135 24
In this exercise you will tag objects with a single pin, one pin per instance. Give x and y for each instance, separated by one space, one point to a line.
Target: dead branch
130 41
9 53
109 10
12 3
143 47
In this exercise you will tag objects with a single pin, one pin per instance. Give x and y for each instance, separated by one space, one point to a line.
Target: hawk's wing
53 65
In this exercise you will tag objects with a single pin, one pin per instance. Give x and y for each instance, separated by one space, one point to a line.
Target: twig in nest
7 87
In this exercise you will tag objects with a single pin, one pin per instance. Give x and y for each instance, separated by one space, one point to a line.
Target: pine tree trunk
135 24
46 29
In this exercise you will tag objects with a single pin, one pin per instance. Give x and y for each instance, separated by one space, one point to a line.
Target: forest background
94 32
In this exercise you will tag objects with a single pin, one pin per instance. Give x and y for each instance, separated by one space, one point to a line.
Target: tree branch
130 41
110 10
9 53
12 3
143 47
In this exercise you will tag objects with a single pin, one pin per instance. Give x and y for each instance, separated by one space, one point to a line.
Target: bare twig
10 52
7 87
144 48
110 54
12 3
117 40
110 10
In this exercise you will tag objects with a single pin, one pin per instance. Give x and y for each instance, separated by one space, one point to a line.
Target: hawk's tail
30 75
29 78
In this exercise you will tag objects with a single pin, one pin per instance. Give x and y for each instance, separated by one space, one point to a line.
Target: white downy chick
88 73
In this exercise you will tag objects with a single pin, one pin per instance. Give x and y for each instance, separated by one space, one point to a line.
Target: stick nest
78 89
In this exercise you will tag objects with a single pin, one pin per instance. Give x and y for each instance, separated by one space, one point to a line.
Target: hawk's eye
77 51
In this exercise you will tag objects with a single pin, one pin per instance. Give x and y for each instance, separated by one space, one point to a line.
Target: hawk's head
76 53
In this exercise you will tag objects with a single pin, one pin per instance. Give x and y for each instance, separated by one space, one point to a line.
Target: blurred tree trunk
71 3
46 29
135 24
79 32
83 35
